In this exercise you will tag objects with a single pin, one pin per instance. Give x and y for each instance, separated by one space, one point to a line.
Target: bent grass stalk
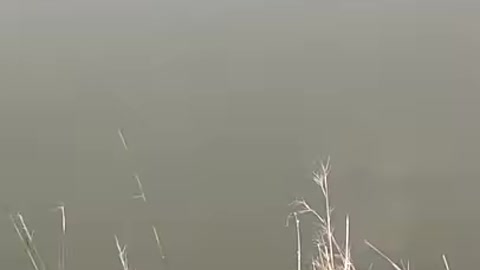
62 248
383 255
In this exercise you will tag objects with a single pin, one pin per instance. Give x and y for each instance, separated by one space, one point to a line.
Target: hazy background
225 105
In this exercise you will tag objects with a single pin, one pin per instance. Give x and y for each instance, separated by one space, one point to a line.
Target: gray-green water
225 105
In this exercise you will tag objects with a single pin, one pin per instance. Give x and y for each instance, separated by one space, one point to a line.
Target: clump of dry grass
26 235
330 255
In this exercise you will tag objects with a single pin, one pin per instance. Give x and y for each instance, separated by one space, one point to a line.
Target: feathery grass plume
330 254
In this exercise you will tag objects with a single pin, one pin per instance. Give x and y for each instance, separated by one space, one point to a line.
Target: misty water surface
226 105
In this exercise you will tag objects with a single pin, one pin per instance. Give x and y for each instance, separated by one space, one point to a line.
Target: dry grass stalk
383 255
299 241
122 254
122 138
347 262
159 244
445 262
62 247
142 196
330 254
26 236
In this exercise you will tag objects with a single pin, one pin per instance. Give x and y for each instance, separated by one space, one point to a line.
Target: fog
225 106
